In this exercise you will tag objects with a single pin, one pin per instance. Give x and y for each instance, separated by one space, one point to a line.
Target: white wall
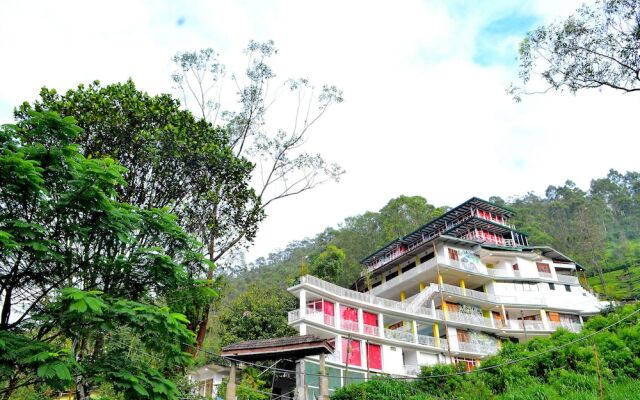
392 359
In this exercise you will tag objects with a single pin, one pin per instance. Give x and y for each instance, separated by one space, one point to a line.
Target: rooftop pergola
442 223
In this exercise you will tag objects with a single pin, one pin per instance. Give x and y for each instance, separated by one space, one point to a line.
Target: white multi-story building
452 291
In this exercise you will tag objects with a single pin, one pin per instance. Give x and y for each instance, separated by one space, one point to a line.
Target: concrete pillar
445 309
360 321
337 315
302 328
414 330
436 334
433 307
545 320
504 315
402 295
381 325
417 261
301 381
231 385
581 320
440 280
339 346
399 270
324 381
463 286
421 286
303 303
487 314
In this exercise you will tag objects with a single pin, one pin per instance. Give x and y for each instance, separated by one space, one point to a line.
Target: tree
403 214
597 47
258 313
282 168
172 160
82 275
329 265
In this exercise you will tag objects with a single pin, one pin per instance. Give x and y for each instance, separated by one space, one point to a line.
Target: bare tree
282 167
597 47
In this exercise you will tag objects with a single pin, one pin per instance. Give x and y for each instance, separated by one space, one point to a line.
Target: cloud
425 108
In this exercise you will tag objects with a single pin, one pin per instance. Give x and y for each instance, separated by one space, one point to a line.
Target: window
349 318
426 257
374 356
463 336
408 267
543 267
351 352
552 286
515 267
567 288
369 319
453 254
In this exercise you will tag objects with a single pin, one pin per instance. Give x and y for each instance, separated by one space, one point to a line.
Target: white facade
442 300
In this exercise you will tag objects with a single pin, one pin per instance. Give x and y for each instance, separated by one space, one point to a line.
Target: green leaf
140 389
79 306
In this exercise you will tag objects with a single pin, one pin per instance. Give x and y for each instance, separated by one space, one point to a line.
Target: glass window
552 286
567 288
543 267
453 254
374 356
351 352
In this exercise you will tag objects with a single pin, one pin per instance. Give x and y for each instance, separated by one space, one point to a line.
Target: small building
208 379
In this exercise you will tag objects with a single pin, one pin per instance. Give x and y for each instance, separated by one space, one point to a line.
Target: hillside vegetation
599 228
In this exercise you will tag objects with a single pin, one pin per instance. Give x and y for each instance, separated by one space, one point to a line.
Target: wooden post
231 385
595 353
324 381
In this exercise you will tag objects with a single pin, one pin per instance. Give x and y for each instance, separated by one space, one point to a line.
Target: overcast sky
425 110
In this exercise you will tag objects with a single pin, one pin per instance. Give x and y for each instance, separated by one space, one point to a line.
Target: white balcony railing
570 326
349 325
529 325
370 330
432 341
568 279
464 318
478 348
293 316
398 334
545 275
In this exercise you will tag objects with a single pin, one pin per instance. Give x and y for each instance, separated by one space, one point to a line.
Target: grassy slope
620 284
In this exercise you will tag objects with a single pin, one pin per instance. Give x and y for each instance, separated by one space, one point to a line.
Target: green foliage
381 390
329 265
82 275
251 386
258 313
596 47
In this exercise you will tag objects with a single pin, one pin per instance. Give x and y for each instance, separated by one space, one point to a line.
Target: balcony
528 325
570 326
463 318
399 334
568 279
478 348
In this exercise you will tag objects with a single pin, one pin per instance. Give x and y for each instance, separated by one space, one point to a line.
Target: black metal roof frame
438 223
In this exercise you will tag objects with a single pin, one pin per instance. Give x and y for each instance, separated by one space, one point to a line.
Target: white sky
425 109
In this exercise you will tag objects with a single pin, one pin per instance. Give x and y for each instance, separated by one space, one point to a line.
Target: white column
414 330
339 347
303 303
302 328
360 321
338 317
433 307
381 325
453 339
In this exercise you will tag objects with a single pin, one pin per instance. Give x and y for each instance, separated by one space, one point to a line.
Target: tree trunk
204 321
